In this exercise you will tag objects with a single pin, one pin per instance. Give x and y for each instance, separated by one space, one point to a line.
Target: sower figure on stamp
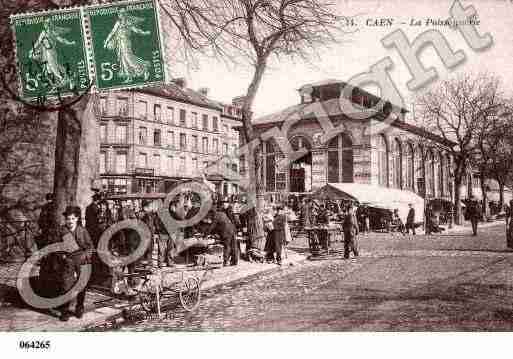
77 235
45 51
225 229
119 40
350 227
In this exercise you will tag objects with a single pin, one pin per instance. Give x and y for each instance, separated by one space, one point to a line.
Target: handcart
180 284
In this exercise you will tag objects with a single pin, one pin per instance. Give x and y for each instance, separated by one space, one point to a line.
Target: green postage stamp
51 55
126 45
116 46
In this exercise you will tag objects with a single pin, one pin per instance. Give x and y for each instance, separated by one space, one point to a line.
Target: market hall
374 151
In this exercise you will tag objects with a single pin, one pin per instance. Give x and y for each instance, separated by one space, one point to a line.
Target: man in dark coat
77 235
92 218
277 235
224 228
228 209
350 228
474 214
147 216
47 223
410 220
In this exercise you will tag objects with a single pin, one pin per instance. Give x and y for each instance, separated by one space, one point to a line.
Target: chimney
180 82
204 91
306 93
238 101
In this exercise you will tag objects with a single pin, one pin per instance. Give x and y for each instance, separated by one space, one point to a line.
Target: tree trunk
485 209
255 223
67 154
457 201
459 172
501 195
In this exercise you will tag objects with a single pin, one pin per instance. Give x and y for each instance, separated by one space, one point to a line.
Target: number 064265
36 344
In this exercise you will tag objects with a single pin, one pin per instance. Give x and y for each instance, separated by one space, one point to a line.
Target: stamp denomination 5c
126 44
51 54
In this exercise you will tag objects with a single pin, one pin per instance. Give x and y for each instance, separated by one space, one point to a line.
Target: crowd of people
226 222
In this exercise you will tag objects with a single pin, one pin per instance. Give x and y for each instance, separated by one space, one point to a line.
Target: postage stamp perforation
131 56
14 17
89 45
116 3
44 12
17 62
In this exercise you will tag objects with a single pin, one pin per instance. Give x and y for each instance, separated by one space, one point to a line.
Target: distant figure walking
474 214
410 220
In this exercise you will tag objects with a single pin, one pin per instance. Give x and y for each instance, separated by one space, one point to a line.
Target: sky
363 48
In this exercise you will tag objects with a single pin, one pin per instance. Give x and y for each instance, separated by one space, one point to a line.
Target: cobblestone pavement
444 282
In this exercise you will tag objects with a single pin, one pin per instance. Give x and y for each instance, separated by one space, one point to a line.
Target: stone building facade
347 147
151 138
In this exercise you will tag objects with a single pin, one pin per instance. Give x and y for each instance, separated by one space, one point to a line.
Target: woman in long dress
44 52
119 40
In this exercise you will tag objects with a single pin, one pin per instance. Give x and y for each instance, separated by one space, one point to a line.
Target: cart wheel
190 294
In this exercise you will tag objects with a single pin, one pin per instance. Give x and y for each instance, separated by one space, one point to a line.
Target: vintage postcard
310 166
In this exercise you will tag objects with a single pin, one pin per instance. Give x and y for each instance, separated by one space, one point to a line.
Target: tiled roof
175 92
333 107
322 83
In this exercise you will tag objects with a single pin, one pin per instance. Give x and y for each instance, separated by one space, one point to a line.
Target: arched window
441 174
448 174
347 158
410 180
333 160
300 142
430 173
397 164
300 172
270 166
418 156
340 159
382 150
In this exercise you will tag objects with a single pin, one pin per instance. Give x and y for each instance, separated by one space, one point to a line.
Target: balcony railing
113 141
144 171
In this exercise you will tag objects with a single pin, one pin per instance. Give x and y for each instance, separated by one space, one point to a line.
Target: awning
374 196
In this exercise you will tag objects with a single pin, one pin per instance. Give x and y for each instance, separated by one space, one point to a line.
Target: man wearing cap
224 228
77 236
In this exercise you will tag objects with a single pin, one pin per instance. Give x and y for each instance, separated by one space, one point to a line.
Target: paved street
445 282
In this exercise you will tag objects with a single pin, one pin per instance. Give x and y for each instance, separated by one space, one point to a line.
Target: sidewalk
467 226
16 316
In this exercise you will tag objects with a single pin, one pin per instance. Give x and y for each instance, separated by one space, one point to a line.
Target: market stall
376 197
